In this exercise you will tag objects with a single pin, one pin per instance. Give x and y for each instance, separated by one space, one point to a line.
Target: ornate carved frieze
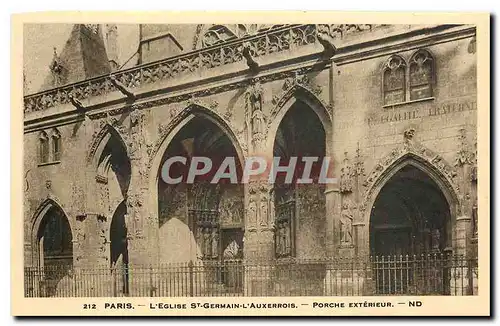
110 113
339 31
270 41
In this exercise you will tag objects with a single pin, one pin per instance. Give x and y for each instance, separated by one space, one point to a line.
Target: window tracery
421 75
404 82
43 147
49 147
56 145
395 81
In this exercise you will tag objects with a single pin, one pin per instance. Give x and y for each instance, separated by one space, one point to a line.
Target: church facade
393 106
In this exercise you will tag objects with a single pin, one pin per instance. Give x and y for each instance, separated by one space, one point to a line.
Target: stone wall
350 95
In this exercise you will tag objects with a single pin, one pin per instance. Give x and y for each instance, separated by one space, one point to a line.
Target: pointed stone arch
37 220
108 153
43 208
414 154
168 133
292 94
100 140
178 122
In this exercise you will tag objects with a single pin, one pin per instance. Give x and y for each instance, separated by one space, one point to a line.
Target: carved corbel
251 63
124 90
329 49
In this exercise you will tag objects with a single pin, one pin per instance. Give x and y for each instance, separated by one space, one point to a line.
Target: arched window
44 147
56 145
394 81
421 75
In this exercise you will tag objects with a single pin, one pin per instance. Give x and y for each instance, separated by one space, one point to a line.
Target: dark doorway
299 224
55 244
410 235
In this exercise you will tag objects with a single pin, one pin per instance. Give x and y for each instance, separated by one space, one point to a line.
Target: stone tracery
413 149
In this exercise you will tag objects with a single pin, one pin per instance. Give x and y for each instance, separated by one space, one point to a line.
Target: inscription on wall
422 112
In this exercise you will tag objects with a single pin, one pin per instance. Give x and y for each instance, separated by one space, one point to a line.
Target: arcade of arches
216 222
399 128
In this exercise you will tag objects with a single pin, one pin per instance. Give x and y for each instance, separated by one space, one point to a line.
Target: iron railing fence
434 274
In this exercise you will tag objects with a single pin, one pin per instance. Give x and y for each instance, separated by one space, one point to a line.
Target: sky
40 40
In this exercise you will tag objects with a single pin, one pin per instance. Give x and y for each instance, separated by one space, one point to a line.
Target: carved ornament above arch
194 106
298 84
413 150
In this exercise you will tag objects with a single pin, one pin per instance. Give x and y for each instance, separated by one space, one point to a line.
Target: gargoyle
251 63
130 96
327 42
76 103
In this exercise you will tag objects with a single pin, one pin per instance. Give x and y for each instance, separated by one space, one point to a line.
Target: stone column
332 197
461 276
259 238
141 229
258 248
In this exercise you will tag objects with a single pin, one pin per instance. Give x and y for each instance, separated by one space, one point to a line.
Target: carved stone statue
346 218
256 120
286 238
206 243
215 243
257 116
252 212
263 211
279 240
435 239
